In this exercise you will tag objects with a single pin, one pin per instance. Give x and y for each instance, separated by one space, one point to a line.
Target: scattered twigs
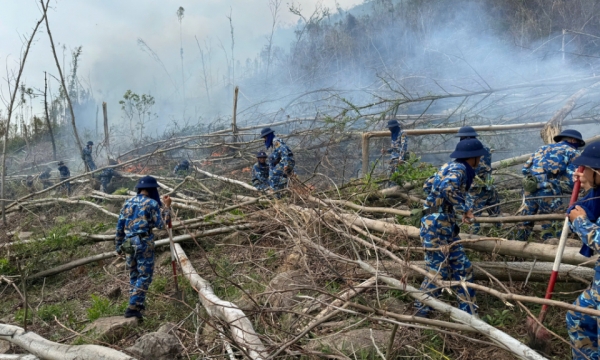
225 179
241 328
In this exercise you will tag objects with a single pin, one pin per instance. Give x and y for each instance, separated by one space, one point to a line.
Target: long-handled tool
538 336
178 294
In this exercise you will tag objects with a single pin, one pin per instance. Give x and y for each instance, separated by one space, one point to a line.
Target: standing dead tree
48 122
11 104
62 78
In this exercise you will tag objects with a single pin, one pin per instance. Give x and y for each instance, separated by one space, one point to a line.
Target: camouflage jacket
139 215
64 172
588 231
86 153
484 170
260 175
399 147
180 167
448 188
281 156
552 164
45 175
107 174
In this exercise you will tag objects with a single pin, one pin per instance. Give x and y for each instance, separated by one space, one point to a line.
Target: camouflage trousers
104 184
393 166
584 330
437 230
277 179
66 186
141 269
90 164
547 205
483 198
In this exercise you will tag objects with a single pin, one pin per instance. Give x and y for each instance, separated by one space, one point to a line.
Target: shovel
538 336
178 295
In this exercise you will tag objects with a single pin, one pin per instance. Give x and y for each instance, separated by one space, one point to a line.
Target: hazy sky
112 61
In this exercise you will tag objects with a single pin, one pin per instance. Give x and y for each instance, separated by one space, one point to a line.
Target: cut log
227 180
240 326
49 350
515 271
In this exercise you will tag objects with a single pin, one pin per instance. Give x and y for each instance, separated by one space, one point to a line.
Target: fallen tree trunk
541 252
225 179
241 328
111 254
505 271
49 350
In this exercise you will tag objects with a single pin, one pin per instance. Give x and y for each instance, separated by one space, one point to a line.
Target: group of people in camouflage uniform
272 172
463 184
466 184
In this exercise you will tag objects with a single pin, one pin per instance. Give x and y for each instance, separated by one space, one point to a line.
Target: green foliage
102 306
413 170
48 312
6 268
158 285
58 238
499 318
236 212
20 315
121 191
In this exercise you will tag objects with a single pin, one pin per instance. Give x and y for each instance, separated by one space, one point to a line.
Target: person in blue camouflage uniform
182 169
548 168
138 217
106 176
86 155
584 330
281 160
483 193
260 172
64 175
45 178
446 191
399 147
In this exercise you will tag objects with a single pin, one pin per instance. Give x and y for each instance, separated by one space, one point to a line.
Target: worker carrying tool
64 175
45 178
542 186
584 219
134 237
281 160
86 155
182 169
260 172
448 190
483 193
399 147
106 176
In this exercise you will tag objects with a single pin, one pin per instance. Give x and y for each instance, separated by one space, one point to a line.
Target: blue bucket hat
90 143
569 133
266 131
147 182
466 131
393 123
468 148
261 154
185 162
590 156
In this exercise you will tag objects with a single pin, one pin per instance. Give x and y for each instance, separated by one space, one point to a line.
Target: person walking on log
86 155
584 219
106 176
399 147
134 237
483 193
182 169
281 160
447 191
260 172
64 175
545 173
